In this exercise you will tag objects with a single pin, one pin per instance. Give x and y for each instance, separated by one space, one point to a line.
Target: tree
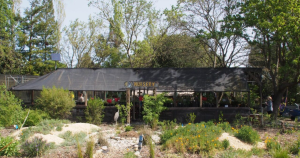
127 20
80 38
275 36
9 60
204 20
38 37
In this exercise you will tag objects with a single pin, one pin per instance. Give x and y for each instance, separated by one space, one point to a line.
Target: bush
36 147
280 153
272 144
94 112
225 126
72 139
129 155
123 112
128 128
11 148
225 144
192 138
90 149
191 118
10 108
35 117
153 106
101 140
295 147
247 134
167 124
57 102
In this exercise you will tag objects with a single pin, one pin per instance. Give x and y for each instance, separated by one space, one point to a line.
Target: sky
79 9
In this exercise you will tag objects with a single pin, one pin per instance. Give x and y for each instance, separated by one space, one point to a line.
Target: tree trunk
276 102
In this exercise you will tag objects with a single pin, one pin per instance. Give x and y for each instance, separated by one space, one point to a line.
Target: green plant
94 112
123 112
153 106
129 155
191 118
79 151
10 108
294 148
57 102
167 124
247 134
101 140
280 153
90 148
225 126
221 120
8 146
225 143
128 128
257 151
69 138
272 144
36 147
152 151
35 117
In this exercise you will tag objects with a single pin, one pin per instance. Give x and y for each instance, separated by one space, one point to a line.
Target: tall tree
39 37
272 28
204 19
9 60
80 39
127 19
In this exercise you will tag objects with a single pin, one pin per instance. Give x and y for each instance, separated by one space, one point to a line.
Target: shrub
57 102
123 112
280 153
35 117
72 139
9 146
247 134
225 126
36 147
90 148
191 118
225 144
128 128
129 155
295 147
79 151
94 112
10 108
101 140
192 138
153 106
272 144
167 124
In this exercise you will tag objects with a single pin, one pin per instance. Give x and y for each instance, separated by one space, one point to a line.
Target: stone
136 149
136 146
137 153
117 138
104 148
122 138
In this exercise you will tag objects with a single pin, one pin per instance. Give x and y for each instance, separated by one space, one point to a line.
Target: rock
137 153
104 148
99 151
117 138
122 138
136 146
136 149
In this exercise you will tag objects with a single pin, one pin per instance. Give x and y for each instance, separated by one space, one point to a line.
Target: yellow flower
199 136
215 144
171 133
176 140
189 123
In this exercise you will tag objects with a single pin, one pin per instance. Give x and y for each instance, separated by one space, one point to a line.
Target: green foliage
35 117
280 153
79 151
128 128
294 148
191 118
200 137
153 106
272 144
152 150
90 148
123 112
168 124
43 127
257 151
9 146
69 138
57 102
94 112
10 108
225 144
129 155
101 140
35 147
248 135
225 126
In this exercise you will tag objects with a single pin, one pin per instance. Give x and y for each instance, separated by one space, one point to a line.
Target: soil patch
129 134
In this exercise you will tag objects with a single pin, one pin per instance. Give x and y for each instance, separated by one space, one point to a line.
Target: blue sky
79 8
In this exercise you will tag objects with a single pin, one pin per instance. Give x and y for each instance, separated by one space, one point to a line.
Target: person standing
270 105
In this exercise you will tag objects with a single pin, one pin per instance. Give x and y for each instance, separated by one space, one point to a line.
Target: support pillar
133 100
200 99
154 92
128 104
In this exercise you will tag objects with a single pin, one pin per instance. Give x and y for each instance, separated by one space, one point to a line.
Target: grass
44 127
71 139
129 155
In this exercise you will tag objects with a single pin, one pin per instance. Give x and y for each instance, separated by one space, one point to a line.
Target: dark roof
169 79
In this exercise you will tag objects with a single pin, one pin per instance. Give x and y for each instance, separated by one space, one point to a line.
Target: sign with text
131 84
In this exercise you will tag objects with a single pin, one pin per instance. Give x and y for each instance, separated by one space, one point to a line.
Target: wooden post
128 104
200 99
154 92
140 109
133 100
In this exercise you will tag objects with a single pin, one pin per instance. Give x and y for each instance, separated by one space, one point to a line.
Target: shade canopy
163 79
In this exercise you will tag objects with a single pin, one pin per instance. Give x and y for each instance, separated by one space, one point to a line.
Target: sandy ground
237 144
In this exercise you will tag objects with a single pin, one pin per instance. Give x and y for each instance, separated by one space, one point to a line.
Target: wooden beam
200 99
154 92
128 104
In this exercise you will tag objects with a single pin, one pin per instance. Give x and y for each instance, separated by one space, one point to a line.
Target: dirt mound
129 134
237 144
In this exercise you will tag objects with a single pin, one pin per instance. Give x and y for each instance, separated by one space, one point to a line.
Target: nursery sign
131 84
